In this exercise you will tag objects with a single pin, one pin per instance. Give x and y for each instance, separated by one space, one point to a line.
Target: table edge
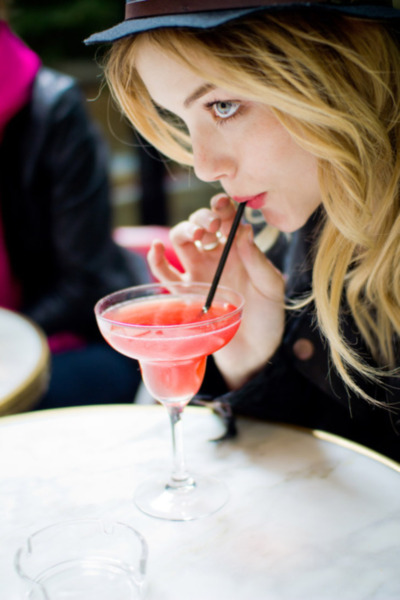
37 379
317 433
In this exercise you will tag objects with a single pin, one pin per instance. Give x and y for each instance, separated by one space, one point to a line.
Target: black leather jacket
310 392
54 196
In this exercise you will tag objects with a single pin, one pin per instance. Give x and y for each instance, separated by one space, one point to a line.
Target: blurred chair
139 238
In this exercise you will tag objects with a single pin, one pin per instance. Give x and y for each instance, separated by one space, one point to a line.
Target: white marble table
307 518
24 362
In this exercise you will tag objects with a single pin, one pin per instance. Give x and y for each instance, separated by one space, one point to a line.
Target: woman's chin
285 223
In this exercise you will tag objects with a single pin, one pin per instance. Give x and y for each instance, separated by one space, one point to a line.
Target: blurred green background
56 30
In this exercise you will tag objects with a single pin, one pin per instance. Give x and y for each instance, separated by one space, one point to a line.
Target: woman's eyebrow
198 93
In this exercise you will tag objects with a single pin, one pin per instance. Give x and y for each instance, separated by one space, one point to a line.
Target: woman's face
237 142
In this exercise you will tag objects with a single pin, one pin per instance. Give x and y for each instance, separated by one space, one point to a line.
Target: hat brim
208 19
200 20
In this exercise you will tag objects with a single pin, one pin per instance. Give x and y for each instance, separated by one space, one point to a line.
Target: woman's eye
225 110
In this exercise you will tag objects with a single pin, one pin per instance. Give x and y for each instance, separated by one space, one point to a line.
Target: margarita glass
165 328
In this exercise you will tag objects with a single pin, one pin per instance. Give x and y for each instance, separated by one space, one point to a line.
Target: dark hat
144 15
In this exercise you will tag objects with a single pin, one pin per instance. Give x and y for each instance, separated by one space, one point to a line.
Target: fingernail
194 230
213 219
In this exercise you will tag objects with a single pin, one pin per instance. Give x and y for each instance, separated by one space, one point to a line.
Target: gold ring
211 245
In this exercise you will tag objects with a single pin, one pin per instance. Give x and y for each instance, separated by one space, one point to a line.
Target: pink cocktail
165 328
171 337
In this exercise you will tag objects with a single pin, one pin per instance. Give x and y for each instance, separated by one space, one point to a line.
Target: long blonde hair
334 83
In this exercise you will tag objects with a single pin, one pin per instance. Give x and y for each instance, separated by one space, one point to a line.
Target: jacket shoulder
54 95
50 85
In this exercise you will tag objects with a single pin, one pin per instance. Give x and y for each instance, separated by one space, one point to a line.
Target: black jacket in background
54 197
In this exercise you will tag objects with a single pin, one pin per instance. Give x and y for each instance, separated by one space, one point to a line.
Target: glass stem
180 476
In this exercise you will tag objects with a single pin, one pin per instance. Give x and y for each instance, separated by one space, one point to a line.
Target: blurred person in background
57 256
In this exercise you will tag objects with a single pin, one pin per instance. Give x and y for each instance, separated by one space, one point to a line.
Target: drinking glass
165 328
85 559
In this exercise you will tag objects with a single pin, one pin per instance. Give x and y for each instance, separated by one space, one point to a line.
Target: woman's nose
211 162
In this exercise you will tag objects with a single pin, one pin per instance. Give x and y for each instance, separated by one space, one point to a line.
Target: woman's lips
252 201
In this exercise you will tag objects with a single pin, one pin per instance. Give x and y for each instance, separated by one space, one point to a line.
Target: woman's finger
205 219
221 212
265 278
160 267
185 232
223 206
184 237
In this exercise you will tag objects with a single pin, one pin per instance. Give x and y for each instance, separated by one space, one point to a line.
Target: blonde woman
293 108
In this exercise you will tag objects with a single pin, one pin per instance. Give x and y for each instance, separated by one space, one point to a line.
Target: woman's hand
247 271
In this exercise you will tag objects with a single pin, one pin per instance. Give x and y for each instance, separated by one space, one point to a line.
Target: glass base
203 497
95 579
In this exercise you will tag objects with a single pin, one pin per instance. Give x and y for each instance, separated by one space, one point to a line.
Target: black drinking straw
224 256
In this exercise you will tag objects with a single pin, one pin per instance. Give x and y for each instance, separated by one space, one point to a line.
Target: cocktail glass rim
100 311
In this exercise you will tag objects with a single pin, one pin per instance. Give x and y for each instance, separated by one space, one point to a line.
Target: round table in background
310 516
24 363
